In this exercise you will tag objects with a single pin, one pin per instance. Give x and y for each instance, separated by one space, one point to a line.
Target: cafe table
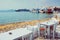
48 24
16 34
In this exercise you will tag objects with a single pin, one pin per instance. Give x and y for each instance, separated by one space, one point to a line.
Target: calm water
11 17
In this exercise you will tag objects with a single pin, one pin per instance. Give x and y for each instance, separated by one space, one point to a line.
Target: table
21 32
49 23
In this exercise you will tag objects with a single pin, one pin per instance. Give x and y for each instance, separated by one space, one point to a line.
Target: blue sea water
11 17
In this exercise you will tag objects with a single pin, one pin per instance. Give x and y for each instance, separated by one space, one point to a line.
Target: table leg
22 38
48 31
38 32
54 29
45 32
31 37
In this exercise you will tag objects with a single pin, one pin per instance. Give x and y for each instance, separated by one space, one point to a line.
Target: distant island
20 10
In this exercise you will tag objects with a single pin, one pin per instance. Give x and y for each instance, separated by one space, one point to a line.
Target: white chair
26 37
58 31
43 30
34 29
20 38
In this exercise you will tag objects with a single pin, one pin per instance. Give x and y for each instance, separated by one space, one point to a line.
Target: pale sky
16 4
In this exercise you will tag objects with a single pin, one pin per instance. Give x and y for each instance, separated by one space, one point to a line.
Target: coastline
12 26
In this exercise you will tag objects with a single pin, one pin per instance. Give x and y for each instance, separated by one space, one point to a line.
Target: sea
12 17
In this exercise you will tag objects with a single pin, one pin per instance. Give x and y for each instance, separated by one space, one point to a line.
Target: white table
49 23
21 32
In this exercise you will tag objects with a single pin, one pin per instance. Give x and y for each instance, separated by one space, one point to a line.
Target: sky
29 4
